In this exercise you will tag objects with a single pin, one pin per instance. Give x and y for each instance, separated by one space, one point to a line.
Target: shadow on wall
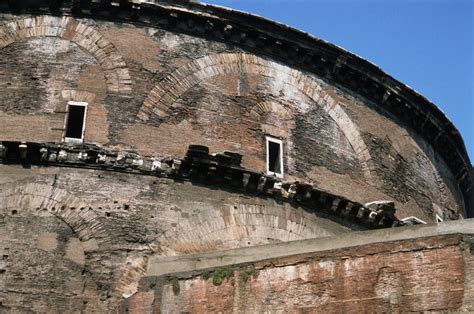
470 199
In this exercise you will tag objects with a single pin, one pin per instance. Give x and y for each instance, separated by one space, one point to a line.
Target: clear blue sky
426 44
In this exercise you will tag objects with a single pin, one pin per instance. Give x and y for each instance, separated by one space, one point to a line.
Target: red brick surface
415 275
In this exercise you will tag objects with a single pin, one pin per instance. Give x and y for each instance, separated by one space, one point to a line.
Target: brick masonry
154 87
115 222
411 275
201 89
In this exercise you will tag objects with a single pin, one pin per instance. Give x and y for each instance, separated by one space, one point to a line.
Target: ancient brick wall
423 274
468 301
91 232
196 75
179 89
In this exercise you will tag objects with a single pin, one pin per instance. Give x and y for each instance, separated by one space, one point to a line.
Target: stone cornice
287 45
217 171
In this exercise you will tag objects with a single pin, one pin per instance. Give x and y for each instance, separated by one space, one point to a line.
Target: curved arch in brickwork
238 226
78 95
116 72
171 88
265 107
45 200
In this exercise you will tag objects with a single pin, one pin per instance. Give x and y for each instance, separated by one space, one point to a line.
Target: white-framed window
75 124
274 156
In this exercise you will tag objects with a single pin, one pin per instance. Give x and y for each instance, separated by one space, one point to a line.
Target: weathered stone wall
155 90
468 250
412 275
177 90
91 232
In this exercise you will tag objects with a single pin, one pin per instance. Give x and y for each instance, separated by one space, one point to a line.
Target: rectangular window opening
274 157
76 121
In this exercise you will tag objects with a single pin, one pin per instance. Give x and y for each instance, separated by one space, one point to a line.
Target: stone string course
198 166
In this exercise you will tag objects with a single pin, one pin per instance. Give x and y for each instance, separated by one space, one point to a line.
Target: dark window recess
274 151
75 121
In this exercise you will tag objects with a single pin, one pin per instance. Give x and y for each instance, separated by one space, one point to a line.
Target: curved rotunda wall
155 91
91 232
178 90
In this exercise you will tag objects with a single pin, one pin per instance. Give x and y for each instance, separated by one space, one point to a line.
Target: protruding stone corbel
176 165
155 165
292 191
101 158
3 151
277 189
23 148
62 156
261 183
387 207
43 154
386 95
340 63
135 9
245 179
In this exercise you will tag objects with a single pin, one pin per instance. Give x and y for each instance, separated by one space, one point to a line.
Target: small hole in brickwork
126 206
5 256
107 214
115 202
235 207
82 208
63 207
14 212
72 208
37 208
152 217
248 242
154 182
90 208
100 208
53 209
45 209
2 271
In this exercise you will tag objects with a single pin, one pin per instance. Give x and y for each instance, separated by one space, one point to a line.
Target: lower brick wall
423 274
468 302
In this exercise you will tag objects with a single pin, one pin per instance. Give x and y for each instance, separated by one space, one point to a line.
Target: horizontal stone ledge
159 265
222 170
